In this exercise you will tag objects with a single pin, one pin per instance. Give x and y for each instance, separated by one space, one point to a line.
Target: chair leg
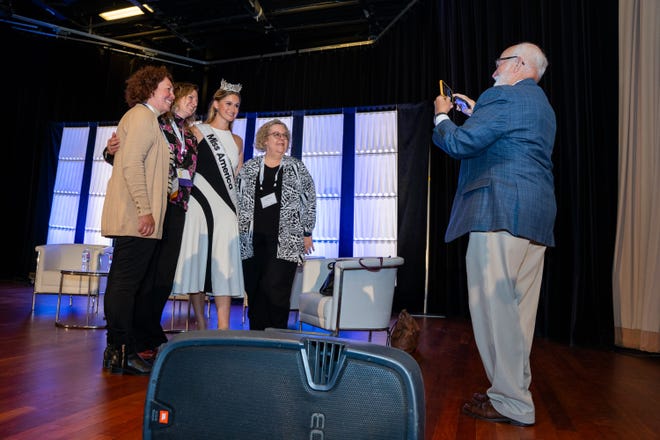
172 315
188 317
244 311
177 309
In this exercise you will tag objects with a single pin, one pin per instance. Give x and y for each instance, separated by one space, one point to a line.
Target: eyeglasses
278 135
499 61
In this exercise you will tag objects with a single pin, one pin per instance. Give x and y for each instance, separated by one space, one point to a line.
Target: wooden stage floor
52 385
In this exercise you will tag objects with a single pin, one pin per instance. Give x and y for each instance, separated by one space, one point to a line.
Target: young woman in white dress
210 259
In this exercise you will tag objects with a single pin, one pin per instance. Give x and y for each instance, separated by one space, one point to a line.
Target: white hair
533 55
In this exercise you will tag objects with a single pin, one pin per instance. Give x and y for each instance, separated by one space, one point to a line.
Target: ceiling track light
118 14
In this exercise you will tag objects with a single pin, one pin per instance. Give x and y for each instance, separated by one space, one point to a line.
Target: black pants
149 332
128 282
268 282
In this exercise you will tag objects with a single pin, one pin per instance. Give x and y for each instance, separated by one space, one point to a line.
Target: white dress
213 266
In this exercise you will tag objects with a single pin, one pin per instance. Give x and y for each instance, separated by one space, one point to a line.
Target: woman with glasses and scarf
277 214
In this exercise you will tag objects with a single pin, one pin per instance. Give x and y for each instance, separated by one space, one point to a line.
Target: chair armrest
369 262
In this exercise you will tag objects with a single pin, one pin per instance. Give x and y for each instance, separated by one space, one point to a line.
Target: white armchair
52 258
309 277
361 299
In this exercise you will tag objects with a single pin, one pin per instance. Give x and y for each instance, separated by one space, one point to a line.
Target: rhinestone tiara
229 87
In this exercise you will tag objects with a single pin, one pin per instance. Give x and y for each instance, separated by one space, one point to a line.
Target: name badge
184 177
268 200
175 189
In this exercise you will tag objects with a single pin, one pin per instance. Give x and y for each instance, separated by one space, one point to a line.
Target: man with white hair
505 202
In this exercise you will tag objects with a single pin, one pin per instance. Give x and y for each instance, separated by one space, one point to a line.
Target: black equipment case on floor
282 385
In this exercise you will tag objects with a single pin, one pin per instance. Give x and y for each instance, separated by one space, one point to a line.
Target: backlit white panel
328 249
323 135
95 237
63 215
327 219
375 203
74 143
68 180
56 236
101 171
64 211
375 218
69 176
239 127
322 154
93 223
375 132
326 172
375 175
373 248
102 135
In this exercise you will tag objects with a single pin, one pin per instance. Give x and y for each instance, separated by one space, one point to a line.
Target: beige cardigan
138 184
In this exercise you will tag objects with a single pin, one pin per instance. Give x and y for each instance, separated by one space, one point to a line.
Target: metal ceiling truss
255 10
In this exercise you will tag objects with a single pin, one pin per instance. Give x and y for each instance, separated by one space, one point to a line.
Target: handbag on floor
404 334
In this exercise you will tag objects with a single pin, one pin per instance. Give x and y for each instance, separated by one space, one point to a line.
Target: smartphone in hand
462 105
445 90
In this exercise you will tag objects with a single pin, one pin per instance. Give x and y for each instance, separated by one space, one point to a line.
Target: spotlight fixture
118 14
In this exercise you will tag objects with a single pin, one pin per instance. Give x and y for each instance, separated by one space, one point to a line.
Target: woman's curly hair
142 84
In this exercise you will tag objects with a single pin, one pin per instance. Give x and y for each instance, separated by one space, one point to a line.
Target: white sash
222 160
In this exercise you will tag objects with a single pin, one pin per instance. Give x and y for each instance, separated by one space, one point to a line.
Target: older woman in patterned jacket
277 214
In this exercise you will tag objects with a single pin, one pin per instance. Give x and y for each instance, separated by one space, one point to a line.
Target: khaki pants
504 281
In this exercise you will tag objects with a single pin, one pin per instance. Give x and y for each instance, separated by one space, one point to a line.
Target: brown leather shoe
485 411
478 398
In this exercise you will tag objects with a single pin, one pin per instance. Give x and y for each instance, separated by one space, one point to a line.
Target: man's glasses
499 61
278 135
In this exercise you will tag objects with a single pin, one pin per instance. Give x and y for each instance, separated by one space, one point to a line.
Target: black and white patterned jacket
297 209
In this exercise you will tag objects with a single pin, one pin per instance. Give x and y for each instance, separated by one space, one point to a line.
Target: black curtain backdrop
412 169
53 80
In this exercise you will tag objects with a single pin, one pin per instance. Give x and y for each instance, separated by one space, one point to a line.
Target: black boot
110 356
130 363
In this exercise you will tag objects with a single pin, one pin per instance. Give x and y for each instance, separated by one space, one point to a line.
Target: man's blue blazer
505 180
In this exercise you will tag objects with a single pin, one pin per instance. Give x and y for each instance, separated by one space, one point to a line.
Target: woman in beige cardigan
133 214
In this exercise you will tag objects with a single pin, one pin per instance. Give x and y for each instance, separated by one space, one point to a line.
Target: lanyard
261 175
179 136
152 108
